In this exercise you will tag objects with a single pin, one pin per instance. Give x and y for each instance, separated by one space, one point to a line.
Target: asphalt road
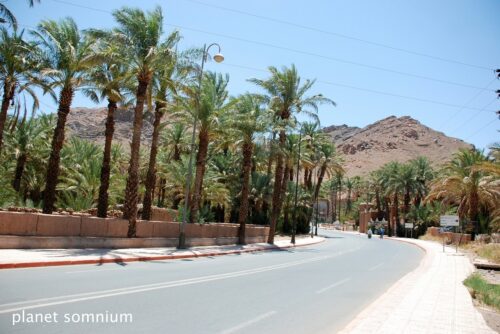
314 289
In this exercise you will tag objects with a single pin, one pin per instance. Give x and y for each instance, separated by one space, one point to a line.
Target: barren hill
364 149
90 123
400 139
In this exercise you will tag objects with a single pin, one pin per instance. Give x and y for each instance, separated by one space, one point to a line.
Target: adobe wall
33 230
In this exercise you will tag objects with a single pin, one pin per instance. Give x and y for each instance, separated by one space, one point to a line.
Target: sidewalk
430 299
25 258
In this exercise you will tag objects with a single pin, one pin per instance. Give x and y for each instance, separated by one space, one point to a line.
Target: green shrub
483 291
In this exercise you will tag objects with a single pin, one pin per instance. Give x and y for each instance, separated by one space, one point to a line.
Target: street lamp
218 57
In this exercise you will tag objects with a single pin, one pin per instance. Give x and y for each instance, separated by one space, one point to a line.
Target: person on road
369 233
381 233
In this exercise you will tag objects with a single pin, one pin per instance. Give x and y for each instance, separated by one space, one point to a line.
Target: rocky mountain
90 123
400 139
363 149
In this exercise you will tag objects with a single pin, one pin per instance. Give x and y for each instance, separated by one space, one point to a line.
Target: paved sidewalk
430 299
24 258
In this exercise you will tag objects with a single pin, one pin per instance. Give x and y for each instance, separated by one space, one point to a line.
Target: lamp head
218 57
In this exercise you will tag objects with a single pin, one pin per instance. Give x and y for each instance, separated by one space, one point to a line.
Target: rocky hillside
392 138
364 149
89 123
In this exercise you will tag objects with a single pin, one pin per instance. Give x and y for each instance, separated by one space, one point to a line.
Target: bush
483 291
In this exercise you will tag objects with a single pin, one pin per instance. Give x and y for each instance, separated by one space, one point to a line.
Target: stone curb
15 265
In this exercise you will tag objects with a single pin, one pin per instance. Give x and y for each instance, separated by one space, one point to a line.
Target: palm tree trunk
132 188
21 162
271 155
377 204
407 199
8 95
245 189
278 179
321 176
348 204
102 205
473 212
201 157
151 176
284 184
49 194
396 206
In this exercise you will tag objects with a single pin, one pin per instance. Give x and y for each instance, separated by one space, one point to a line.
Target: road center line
333 285
376 267
51 301
248 323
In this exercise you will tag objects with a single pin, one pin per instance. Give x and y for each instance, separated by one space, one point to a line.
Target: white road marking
376 267
51 301
248 323
333 285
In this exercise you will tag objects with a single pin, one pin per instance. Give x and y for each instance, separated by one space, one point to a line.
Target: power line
312 54
466 103
482 128
473 116
326 32
369 90
307 53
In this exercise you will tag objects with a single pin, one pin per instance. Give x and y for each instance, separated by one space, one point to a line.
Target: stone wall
450 236
61 230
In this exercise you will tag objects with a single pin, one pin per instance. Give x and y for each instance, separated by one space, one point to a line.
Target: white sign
449 221
408 225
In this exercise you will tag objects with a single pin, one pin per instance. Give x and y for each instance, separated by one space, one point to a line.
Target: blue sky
366 55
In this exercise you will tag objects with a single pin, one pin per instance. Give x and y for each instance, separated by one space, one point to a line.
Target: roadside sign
449 221
408 225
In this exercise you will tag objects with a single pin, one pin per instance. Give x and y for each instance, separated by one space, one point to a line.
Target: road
314 289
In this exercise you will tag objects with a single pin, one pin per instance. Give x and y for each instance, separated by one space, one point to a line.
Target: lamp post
218 57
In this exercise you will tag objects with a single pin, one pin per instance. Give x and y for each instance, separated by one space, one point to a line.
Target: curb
17 265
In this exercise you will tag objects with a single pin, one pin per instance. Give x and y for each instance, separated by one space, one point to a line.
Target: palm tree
107 81
423 175
175 143
470 182
248 120
27 134
163 85
17 71
286 96
66 57
139 35
212 106
328 164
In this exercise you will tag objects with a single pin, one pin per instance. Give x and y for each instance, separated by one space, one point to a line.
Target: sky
431 60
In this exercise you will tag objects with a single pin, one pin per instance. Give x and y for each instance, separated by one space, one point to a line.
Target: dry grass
429 237
490 252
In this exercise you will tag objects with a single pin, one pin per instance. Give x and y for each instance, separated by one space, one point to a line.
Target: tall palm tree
423 175
249 119
18 68
470 182
66 57
139 35
212 105
164 88
286 96
109 81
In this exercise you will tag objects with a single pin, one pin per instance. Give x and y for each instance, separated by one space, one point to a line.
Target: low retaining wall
452 237
33 230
